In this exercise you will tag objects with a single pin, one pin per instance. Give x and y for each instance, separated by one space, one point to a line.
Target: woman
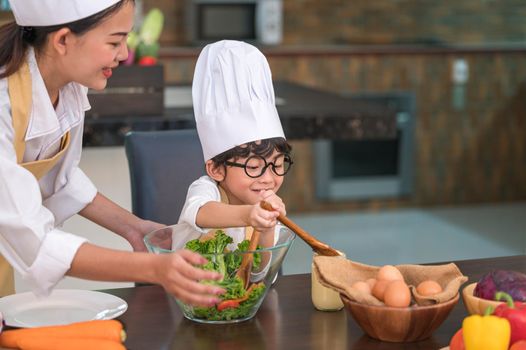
49 56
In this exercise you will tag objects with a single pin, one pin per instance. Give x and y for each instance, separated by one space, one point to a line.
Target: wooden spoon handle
246 263
318 246
254 240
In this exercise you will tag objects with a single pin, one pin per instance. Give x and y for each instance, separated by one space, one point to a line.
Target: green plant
143 45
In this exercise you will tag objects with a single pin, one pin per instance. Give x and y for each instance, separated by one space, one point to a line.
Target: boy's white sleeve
200 192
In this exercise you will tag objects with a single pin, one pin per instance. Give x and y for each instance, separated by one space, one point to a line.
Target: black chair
162 165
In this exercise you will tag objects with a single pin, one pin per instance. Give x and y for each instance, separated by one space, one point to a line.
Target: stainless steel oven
255 21
364 169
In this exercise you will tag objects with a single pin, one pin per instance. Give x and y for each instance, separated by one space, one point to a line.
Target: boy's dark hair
15 39
262 148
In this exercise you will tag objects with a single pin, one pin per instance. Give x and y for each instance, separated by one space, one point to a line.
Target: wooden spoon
316 245
246 263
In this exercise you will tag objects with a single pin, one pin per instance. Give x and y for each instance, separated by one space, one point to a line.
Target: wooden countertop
286 319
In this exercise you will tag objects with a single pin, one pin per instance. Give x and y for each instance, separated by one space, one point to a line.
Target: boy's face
243 189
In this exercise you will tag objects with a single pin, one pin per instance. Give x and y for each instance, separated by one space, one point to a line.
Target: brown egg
379 289
428 287
371 282
389 273
397 294
362 287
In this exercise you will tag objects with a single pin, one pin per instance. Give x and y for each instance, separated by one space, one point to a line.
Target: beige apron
20 93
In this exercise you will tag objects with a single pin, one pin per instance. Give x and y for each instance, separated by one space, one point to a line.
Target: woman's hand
136 234
113 217
178 275
175 272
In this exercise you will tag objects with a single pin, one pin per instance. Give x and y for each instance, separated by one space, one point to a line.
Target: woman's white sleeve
78 192
29 240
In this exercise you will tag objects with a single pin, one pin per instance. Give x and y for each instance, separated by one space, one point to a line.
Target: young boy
244 147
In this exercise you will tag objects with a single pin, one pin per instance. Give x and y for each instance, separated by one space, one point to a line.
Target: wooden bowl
399 325
476 305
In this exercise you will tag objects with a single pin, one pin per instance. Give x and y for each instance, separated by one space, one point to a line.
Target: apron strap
41 167
19 89
20 93
7 278
20 97
224 199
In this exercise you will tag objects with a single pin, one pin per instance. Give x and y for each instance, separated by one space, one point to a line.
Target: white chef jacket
31 209
200 192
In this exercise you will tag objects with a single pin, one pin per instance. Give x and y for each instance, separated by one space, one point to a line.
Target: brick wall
472 154
378 21
463 155
382 21
398 21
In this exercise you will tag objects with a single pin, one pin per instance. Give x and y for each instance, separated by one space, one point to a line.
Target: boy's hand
262 219
276 202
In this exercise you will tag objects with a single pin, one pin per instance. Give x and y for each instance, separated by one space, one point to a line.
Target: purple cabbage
511 282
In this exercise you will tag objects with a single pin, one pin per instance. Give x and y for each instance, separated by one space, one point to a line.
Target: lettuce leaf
215 250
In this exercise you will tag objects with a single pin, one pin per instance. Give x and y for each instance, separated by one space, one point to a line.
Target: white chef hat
233 97
36 13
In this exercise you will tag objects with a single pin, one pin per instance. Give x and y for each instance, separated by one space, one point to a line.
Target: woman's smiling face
91 56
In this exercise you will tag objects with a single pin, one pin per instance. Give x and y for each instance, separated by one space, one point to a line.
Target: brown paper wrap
339 274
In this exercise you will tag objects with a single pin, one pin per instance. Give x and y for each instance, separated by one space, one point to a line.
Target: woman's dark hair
15 39
263 148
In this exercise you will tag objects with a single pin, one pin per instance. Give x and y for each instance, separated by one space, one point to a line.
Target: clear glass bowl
243 303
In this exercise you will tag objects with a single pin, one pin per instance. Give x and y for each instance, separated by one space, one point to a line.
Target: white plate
63 306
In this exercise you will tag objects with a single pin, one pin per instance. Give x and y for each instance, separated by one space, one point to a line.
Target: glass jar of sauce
323 298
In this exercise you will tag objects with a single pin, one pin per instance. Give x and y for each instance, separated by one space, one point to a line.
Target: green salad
237 302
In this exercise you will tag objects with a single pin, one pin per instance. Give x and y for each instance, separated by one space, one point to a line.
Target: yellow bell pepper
486 332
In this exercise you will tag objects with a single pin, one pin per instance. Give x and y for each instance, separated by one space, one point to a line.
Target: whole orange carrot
54 343
96 329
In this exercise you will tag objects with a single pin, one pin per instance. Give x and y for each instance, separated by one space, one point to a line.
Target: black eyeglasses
255 166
